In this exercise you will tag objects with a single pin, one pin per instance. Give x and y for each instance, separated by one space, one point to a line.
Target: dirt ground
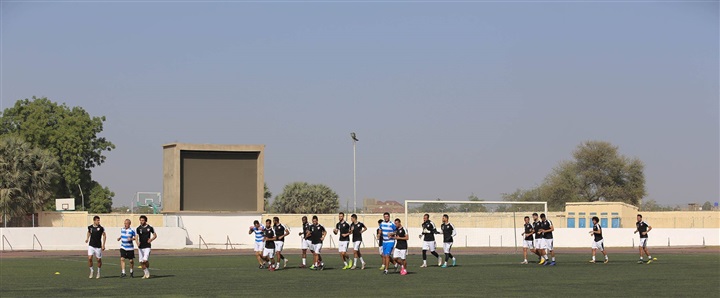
370 250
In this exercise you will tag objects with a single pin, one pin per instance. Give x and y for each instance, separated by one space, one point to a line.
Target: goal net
478 223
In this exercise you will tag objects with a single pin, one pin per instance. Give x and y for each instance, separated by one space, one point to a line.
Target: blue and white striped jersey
258 234
126 236
387 227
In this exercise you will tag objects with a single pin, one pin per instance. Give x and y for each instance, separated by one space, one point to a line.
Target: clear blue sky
447 99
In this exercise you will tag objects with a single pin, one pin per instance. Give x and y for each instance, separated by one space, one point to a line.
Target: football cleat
285 263
440 262
524 262
90 275
443 266
649 261
382 267
123 275
272 268
592 261
403 272
131 275
350 263
312 267
363 266
553 263
453 263
423 266
606 261
302 266
640 262
542 261
352 268
97 276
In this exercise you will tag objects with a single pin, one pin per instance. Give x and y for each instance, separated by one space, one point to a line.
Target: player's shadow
161 276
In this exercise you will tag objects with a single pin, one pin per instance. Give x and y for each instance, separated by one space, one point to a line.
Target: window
603 222
581 222
616 222
571 222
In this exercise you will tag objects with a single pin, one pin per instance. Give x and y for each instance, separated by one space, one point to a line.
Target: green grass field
476 275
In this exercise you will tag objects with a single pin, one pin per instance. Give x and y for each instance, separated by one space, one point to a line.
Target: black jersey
95 235
280 231
144 233
343 228
597 228
356 230
537 225
401 244
448 231
641 228
546 225
529 230
429 231
269 234
316 232
306 228
378 235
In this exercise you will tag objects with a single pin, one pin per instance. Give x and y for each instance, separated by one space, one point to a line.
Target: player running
387 228
449 232
268 254
428 235
539 243
305 242
146 235
546 229
400 253
598 243
357 228
95 245
643 228
281 231
527 239
343 227
127 249
257 229
317 236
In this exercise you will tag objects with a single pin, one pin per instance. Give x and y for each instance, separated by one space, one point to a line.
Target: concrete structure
375 206
611 214
210 178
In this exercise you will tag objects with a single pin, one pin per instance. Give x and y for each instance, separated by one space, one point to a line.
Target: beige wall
626 212
83 219
682 219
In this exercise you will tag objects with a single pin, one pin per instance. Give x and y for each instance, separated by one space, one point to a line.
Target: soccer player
400 252
527 239
95 245
546 230
344 229
598 243
378 235
643 228
449 232
387 229
428 235
257 229
357 228
146 235
127 249
317 236
281 231
305 242
539 251
268 254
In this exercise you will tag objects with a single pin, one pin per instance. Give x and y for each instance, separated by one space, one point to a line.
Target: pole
354 180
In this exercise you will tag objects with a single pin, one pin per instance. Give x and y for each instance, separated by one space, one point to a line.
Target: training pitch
675 273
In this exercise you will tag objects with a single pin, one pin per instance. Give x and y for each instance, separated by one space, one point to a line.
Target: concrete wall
74 238
83 219
215 229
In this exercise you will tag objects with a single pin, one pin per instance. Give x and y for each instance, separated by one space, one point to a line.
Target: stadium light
355 140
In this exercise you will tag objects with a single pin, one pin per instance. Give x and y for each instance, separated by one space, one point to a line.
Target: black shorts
127 254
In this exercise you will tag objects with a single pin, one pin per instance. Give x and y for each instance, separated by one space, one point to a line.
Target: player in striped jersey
598 243
281 231
449 232
95 247
387 229
127 249
257 229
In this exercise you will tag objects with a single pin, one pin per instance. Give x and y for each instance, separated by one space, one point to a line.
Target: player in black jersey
448 231
596 233
95 233
527 235
305 242
357 228
400 253
343 227
269 250
281 231
643 228
538 243
546 229
428 237
317 236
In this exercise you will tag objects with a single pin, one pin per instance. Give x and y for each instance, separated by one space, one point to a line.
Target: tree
70 134
267 196
652 205
301 197
26 176
100 199
707 206
473 207
596 173
434 207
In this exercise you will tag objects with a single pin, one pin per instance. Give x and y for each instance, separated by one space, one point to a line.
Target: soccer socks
424 255
435 254
447 256
553 259
344 262
594 258
361 260
303 261
91 270
355 261
451 256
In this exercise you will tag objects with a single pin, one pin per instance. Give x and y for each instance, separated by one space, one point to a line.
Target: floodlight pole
354 138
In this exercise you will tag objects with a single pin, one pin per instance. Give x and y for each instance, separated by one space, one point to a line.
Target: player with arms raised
598 243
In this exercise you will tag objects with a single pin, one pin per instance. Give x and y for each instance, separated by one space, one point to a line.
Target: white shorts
380 249
279 246
643 242
528 244
540 243
343 246
548 244
268 252
356 245
429 245
305 244
599 245
259 246
143 254
446 247
400 254
316 248
95 251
